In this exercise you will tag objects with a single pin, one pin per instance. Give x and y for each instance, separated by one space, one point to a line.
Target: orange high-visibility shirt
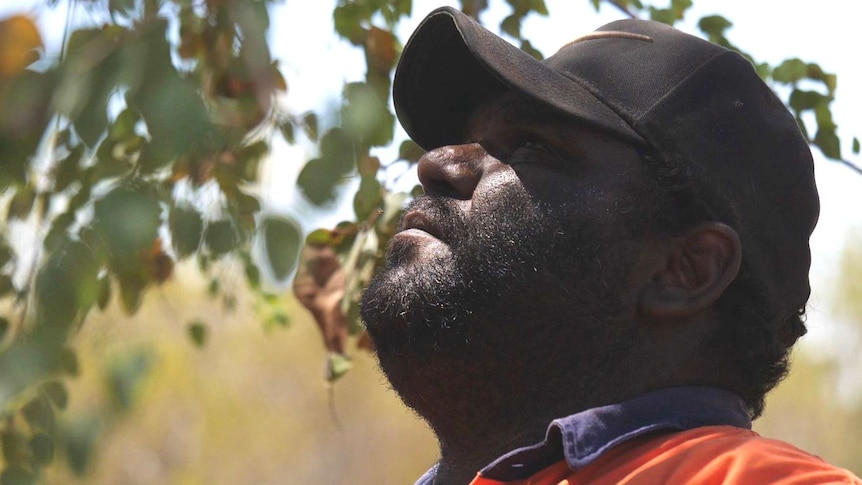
681 435
702 456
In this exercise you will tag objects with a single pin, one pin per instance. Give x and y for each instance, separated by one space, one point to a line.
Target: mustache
443 214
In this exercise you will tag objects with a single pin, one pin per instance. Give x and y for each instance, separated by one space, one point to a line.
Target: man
609 265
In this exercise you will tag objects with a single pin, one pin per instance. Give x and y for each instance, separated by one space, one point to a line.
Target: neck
474 418
491 403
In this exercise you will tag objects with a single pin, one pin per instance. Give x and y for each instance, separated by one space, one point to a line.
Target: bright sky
316 64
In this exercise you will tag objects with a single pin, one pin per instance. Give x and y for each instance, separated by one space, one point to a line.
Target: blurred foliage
137 149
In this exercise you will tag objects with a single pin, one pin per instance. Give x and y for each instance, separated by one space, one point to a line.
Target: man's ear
696 271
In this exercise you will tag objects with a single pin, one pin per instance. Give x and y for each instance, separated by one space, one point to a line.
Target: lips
418 220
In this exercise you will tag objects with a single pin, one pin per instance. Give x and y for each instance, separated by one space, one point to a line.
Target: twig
333 412
848 163
622 8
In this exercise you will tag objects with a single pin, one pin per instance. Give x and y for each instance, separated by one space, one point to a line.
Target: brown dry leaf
158 264
365 342
319 285
19 44
380 46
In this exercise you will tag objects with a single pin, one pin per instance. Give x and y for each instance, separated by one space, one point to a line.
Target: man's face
523 243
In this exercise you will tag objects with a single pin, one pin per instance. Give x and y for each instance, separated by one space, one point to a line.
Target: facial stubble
529 293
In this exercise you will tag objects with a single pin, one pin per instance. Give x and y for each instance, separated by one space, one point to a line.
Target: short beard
528 289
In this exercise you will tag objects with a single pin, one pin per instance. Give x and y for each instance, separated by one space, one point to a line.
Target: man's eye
534 145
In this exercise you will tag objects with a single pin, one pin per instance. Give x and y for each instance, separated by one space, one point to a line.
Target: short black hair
756 333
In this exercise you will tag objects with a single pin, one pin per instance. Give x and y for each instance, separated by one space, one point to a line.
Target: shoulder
713 454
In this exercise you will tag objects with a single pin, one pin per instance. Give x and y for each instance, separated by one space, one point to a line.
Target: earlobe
697 270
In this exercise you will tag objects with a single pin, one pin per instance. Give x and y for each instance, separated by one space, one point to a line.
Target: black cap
651 85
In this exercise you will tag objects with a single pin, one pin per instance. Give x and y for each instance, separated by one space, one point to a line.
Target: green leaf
828 143
110 161
124 125
252 274
132 286
336 366
310 125
790 71
30 93
538 6
4 327
855 148
804 100
512 25
6 285
13 446
69 361
403 7
186 226
128 219
823 115
337 150
366 115
67 168
21 203
39 414
59 231
831 82
368 198
79 439
287 132
42 447
317 181
246 205
172 108
5 252
104 296
714 27
66 286
81 197
125 375
15 475
279 318
473 7
410 151
663 15
679 7
221 237
198 333
57 393
348 21
527 47
282 239
91 122
319 237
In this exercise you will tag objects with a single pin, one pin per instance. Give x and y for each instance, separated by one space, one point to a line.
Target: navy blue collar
583 437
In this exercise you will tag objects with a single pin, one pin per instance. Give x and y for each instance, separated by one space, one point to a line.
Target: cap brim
451 65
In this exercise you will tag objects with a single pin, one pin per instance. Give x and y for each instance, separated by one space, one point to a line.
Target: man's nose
452 171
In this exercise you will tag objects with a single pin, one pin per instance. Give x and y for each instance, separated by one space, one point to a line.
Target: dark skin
664 305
